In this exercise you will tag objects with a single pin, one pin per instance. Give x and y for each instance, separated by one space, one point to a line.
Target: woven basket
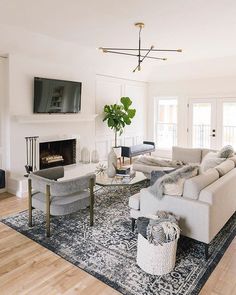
156 260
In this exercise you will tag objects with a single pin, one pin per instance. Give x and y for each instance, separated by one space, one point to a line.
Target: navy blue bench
136 150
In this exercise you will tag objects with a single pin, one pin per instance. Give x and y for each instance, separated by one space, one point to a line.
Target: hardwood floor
28 268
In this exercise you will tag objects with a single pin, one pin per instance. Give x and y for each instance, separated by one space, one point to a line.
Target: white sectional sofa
208 199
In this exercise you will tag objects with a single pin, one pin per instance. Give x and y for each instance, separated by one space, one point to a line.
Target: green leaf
131 113
119 115
111 122
126 101
127 120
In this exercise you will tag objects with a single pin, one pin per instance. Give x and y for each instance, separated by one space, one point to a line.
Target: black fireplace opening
57 153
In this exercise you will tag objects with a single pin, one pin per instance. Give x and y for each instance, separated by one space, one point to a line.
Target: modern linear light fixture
139 50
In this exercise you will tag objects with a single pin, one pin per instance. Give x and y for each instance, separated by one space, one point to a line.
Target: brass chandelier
139 50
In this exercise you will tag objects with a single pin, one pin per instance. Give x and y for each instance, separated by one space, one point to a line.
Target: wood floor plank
27 268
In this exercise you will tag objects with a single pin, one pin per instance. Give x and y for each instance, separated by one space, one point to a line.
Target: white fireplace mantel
54 118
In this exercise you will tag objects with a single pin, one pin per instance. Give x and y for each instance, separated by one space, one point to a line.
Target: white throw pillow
226 152
176 189
211 160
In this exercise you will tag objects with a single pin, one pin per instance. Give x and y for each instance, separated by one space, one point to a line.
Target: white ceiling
204 29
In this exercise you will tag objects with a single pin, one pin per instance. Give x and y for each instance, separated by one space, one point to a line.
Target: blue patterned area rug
108 249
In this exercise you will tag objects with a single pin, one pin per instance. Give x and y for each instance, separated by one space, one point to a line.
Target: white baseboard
3 190
17 185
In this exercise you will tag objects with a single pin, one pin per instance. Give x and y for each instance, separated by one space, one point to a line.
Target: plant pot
117 151
111 164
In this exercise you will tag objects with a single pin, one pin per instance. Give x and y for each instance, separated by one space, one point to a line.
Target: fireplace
57 153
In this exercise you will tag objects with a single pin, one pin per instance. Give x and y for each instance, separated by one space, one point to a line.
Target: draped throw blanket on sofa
153 161
172 183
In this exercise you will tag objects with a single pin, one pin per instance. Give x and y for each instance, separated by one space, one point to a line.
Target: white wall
22 70
3 111
96 91
109 91
221 87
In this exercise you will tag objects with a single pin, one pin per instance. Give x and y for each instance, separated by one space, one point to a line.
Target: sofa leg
206 250
132 224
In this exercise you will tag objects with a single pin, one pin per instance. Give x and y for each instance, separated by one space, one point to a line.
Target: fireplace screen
57 153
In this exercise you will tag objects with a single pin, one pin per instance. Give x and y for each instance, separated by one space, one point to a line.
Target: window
229 124
202 113
212 122
166 123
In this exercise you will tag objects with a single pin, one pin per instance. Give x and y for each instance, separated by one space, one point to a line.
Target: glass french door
212 123
227 119
202 123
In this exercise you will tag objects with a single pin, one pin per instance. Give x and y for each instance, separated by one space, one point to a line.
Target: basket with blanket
157 243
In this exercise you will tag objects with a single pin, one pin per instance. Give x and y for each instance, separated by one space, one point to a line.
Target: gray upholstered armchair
59 197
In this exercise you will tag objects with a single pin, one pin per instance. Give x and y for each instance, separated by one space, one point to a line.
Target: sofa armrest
193 215
194 185
221 198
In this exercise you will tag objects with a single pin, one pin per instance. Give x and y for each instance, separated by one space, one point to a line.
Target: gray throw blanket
186 172
153 161
161 228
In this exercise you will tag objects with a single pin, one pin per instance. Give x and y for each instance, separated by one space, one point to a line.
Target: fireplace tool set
31 142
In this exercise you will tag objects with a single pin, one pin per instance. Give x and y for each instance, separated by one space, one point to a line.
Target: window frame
156 110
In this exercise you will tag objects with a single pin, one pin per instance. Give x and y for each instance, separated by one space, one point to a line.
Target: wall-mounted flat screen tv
56 96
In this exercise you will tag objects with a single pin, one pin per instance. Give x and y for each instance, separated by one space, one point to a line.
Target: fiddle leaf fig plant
119 115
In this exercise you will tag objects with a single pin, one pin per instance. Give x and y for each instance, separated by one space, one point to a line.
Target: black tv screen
56 96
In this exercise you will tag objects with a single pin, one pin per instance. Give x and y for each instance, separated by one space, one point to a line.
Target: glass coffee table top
104 180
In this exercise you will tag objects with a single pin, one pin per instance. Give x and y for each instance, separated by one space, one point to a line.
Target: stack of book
125 173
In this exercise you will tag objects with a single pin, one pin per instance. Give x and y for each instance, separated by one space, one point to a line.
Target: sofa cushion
221 194
187 155
194 185
211 160
206 151
173 183
139 148
174 189
226 152
225 167
233 159
134 201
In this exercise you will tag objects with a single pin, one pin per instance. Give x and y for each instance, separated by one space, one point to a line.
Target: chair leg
132 224
91 185
30 201
48 211
130 160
